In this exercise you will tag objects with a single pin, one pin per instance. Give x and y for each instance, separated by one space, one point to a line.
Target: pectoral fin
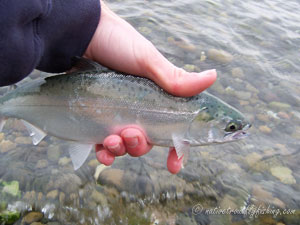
181 145
36 133
79 153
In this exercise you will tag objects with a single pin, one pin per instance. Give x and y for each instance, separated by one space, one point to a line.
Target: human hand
117 45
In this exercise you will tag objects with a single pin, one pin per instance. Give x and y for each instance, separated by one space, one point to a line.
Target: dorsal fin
82 64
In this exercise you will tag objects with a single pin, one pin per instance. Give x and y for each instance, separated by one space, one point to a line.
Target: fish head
217 122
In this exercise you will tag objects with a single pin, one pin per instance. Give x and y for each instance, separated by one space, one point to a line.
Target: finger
114 144
104 156
173 163
181 83
135 142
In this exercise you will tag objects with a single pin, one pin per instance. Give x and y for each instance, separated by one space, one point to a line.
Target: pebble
32 217
52 194
1 136
279 106
7 145
263 197
62 198
53 153
253 158
145 30
219 55
237 72
112 177
64 161
263 117
23 140
42 163
284 174
228 202
243 102
243 95
189 67
265 129
218 87
181 44
99 198
251 88
283 115
93 163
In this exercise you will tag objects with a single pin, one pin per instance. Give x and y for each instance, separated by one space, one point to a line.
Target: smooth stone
243 95
29 195
7 145
52 194
284 174
112 177
32 217
181 44
53 153
228 202
68 182
279 106
99 198
219 55
64 161
189 67
218 87
237 72
1 136
230 91
283 115
62 198
263 117
9 217
145 30
42 163
11 188
263 197
23 140
251 88
253 158
265 129
93 163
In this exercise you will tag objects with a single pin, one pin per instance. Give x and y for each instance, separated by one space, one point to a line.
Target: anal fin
36 133
79 153
181 145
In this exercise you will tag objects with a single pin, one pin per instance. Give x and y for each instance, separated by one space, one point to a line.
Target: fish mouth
240 134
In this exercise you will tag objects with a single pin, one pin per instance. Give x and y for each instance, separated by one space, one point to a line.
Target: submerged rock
7 145
32 217
265 129
11 188
279 106
284 174
9 217
219 55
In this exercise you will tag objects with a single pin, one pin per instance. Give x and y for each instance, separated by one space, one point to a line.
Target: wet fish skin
87 105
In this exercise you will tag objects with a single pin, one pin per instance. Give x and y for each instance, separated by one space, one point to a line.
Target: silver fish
93 102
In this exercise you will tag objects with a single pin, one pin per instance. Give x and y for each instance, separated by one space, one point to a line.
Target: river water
255 46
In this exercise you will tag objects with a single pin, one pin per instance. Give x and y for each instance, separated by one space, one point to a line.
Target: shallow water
255 48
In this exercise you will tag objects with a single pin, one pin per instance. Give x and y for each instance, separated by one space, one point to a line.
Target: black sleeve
43 34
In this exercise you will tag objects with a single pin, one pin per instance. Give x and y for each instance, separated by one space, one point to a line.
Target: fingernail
115 147
131 142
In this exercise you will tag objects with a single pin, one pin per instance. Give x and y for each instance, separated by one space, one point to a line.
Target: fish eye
232 126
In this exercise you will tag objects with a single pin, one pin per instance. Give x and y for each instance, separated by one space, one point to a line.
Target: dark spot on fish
113 86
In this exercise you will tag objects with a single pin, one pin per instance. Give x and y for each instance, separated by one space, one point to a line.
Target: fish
91 102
